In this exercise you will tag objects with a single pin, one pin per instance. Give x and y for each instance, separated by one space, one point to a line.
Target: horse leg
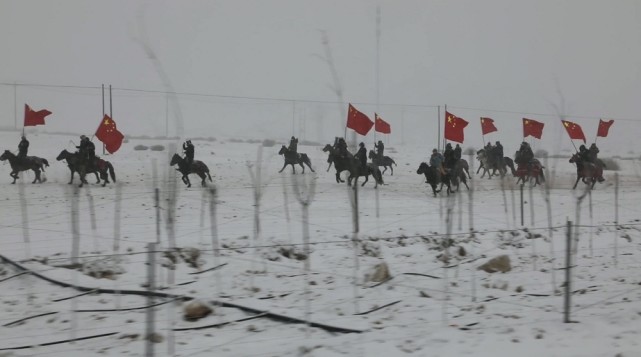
203 177
364 182
71 181
14 175
37 176
186 179
384 169
308 165
576 182
293 169
281 170
301 165
97 177
391 169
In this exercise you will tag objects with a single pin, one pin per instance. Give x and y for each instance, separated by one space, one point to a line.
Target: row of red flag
454 128
106 132
362 124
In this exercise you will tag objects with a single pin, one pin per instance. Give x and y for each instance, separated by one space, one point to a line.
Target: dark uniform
188 148
380 148
361 155
584 154
448 155
87 150
457 152
23 148
293 145
436 161
593 152
341 147
498 153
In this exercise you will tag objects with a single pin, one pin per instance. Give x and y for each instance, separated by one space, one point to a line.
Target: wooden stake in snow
213 201
75 230
25 220
568 275
256 178
470 198
352 193
548 204
305 194
532 239
151 286
616 219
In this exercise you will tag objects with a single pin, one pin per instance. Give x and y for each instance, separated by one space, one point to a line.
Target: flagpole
482 135
439 120
111 114
596 136
378 63
438 135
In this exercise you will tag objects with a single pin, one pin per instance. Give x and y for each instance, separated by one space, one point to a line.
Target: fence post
568 275
616 220
151 270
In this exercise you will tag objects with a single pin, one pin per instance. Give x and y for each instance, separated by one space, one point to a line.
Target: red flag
381 125
32 118
574 130
454 127
604 127
487 126
358 121
532 127
109 134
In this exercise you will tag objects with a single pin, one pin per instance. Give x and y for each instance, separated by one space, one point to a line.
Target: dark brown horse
348 163
458 174
197 167
34 163
588 172
386 162
434 179
293 158
534 171
76 164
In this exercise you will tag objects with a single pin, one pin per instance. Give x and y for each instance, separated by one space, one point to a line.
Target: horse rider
584 154
436 161
188 149
498 153
341 147
457 152
23 148
293 145
379 150
449 158
87 150
592 155
361 155
525 155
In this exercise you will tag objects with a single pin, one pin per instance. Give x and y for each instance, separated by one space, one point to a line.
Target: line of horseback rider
340 146
590 156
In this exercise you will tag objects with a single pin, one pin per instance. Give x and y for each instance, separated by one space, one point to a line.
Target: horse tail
112 173
378 176
393 162
208 175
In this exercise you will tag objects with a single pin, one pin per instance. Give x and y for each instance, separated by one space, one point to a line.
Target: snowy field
436 303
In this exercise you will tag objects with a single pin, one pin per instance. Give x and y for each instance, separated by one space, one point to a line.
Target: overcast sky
502 56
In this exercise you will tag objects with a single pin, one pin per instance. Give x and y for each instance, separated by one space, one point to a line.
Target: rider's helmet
498 142
361 144
448 146
582 148
293 137
434 151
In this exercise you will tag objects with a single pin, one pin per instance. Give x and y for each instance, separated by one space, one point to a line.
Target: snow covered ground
435 304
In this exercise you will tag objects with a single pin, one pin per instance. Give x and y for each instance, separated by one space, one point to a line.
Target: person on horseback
436 161
188 149
457 152
524 156
379 150
341 147
449 158
591 155
293 145
361 155
23 148
498 153
584 154
87 151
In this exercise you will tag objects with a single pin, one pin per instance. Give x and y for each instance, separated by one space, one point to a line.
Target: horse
350 164
293 158
588 172
432 177
458 174
370 169
101 167
385 162
488 164
525 174
34 163
197 167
